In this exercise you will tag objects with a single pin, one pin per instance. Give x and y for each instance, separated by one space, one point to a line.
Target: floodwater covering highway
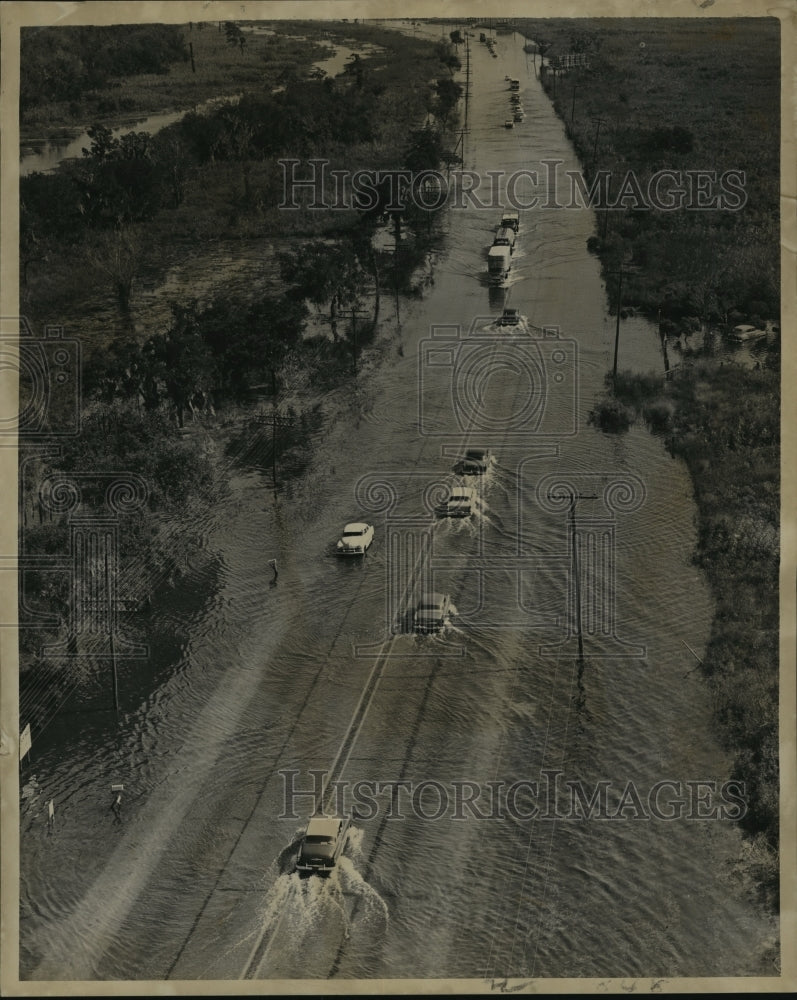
252 686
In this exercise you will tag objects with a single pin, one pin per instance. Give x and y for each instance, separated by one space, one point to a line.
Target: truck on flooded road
505 237
499 263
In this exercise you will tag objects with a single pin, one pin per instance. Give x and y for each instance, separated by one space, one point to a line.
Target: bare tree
115 256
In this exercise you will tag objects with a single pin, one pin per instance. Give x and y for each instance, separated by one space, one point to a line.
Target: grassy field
716 80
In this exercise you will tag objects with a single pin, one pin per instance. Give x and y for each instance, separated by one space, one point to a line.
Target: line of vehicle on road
325 837
499 256
432 609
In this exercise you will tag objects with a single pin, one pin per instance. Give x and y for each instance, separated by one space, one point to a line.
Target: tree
103 143
181 361
234 34
448 93
115 255
323 274
118 180
172 154
448 57
355 67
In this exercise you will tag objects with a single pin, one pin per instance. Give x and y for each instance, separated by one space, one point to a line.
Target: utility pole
460 142
395 252
599 121
617 327
575 566
664 350
111 622
274 427
573 105
353 312
576 576
467 88
277 423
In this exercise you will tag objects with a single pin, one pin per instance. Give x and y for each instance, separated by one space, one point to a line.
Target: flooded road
256 684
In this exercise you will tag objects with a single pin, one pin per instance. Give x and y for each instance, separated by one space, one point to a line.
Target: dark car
322 844
431 612
475 462
510 317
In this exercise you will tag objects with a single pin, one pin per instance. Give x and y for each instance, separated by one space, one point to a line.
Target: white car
356 539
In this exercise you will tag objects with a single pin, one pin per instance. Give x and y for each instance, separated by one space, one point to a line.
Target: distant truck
498 262
510 220
514 84
505 237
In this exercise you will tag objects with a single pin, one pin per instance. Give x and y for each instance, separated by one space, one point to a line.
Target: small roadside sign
25 742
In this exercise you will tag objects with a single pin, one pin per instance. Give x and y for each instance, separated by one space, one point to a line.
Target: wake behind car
475 462
356 539
461 502
431 612
322 844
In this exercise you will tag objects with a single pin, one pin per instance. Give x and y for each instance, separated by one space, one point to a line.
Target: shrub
611 416
658 415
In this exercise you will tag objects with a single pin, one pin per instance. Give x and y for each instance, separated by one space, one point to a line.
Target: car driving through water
322 844
356 539
431 612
